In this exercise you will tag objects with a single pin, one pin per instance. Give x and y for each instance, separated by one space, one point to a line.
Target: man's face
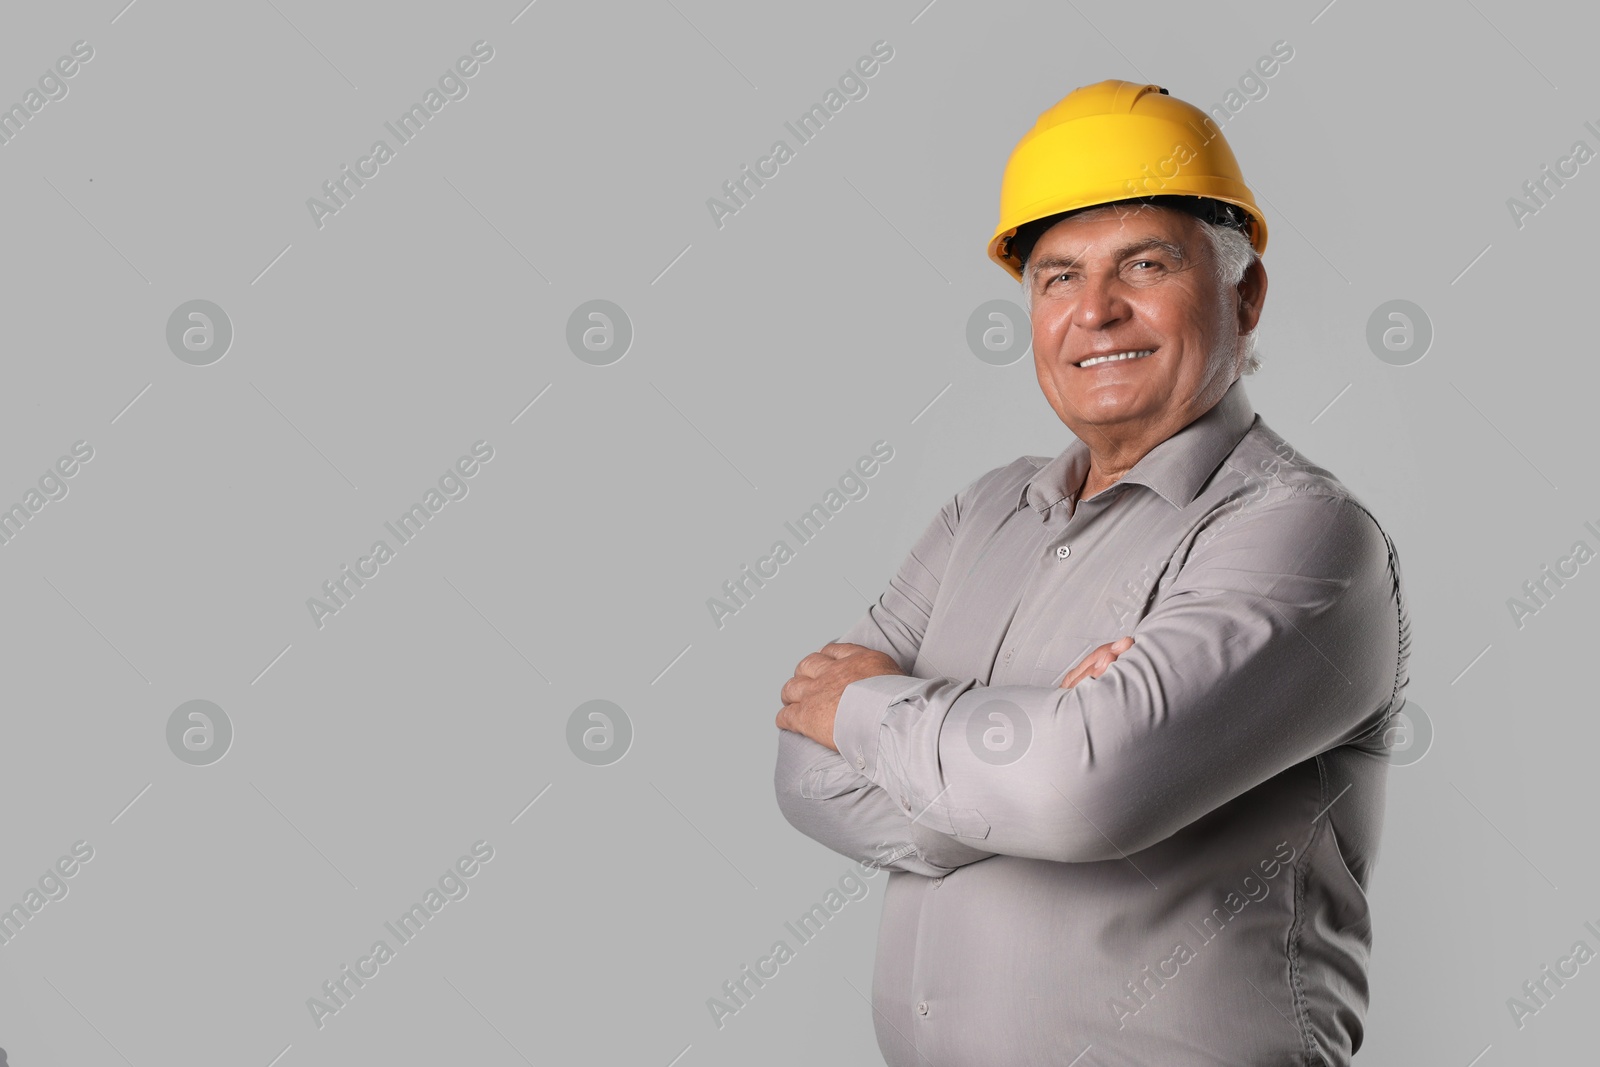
1135 281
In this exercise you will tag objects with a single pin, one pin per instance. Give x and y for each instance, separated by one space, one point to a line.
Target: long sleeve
1280 637
831 802
825 796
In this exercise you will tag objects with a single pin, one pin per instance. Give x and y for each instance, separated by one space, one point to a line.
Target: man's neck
1113 455
1093 482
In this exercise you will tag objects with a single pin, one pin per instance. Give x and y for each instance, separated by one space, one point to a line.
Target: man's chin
1104 405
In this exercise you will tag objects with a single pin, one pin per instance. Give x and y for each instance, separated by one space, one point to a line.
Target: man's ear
1252 295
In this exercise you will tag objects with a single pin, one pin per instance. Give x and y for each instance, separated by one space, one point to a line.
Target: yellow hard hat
1119 140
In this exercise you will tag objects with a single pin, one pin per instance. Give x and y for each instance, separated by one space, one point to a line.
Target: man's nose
1100 304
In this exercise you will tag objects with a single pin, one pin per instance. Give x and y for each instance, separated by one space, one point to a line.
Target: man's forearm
830 801
827 798
1233 677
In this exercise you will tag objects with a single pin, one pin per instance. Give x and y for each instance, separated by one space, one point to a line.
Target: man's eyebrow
1058 261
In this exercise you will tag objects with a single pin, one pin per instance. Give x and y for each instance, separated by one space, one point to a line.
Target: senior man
1120 716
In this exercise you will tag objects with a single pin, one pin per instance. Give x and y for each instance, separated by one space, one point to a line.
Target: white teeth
1115 356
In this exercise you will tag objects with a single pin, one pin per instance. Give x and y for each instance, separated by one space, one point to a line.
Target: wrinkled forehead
1116 231
1029 234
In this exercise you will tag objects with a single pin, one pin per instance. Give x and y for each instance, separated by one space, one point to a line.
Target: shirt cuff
862 708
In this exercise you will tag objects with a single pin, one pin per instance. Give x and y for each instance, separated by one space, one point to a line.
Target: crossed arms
1279 638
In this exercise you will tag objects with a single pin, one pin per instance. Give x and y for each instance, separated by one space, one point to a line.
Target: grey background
767 356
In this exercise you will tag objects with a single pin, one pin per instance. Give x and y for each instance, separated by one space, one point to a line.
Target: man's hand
811 697
1097 662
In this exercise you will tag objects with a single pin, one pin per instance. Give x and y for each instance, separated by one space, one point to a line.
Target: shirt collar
1176 468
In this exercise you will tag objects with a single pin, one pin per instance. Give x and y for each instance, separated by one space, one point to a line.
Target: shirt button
904 803
1063 551
861 764
922 1007
939 881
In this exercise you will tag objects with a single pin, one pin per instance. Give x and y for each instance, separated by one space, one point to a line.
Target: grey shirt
1167 864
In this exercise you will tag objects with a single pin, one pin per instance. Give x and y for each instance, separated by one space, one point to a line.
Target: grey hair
1230 249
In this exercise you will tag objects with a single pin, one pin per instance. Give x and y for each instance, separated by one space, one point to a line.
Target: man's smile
1106 359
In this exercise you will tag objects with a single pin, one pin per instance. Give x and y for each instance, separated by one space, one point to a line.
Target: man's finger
814 664
793 690
1096 665
826 656
1075 675
1097 662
